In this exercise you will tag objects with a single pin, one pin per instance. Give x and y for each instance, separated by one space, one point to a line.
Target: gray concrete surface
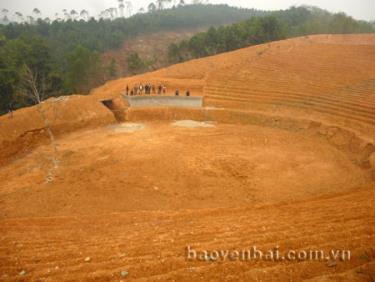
164 101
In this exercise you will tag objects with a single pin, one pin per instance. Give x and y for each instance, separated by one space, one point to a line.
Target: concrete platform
164 101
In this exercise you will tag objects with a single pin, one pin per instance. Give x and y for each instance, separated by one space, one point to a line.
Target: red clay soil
287 162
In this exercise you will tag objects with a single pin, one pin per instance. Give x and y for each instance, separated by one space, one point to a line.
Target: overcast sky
359 9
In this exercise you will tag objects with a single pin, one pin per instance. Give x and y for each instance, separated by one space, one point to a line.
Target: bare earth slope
282 157
323 76
152 48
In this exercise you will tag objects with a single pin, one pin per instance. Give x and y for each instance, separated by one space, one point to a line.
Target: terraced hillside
282 157
307 74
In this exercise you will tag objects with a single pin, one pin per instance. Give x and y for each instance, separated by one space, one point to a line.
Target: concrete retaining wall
164 101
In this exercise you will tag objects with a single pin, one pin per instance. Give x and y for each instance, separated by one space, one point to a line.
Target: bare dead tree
31 90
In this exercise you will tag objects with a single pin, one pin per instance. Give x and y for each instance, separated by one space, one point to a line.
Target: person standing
10 107
160 88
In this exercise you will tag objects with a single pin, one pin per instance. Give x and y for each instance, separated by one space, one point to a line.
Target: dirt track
289 162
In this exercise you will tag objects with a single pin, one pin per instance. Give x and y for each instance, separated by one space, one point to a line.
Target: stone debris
193 123
124 273
127 127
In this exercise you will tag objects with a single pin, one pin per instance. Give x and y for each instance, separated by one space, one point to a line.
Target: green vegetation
103 34
112 68
83 65
15 55
65 54
295 21
135 63
138 65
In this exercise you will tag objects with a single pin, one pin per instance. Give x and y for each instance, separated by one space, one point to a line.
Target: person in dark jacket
10 107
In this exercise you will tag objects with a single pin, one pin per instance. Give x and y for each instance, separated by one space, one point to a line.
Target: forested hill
296 21
103 34
66 54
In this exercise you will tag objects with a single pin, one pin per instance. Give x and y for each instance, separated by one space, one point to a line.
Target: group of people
146 89
149 89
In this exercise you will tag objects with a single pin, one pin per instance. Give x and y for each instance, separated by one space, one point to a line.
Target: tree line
295 21
122 10
65 56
